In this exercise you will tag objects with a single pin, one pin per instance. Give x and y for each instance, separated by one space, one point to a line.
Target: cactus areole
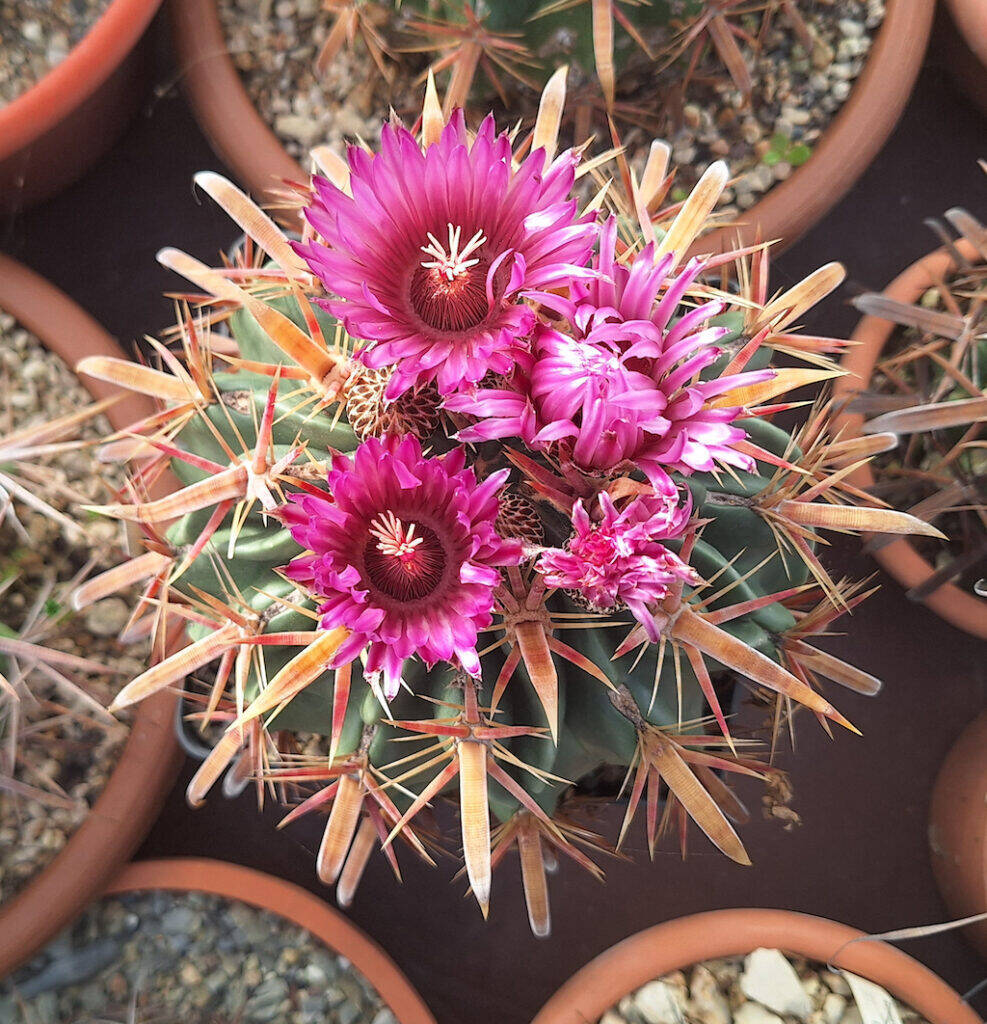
479 486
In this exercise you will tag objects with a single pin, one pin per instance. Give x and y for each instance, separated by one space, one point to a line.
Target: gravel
37 35
188 958
766 987
63 747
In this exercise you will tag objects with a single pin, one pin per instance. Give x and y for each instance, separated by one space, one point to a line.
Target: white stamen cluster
454 262
393 537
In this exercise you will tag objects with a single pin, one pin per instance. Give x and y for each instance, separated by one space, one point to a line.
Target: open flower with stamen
617 380
617 559
404 555
432 251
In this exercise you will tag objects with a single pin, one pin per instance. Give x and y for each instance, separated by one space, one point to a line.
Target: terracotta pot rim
287 900
148 764
849 143
716 933
901 559
67 85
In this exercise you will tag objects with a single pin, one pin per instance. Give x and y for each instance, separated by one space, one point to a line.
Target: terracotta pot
288 901
965 42
244 141
51 133
689 940
900 559
149 763
958 829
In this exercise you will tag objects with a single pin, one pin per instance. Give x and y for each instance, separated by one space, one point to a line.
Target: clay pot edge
287 900
970 19
958 829
685 941
850 142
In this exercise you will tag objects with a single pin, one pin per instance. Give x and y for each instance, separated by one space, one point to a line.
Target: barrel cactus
479 483
930 388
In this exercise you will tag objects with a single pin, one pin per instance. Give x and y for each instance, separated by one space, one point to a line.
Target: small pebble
709 1004
755 1013
107 617
770 979
833 1006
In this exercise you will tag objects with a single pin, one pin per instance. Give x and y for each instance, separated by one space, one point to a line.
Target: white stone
107 617
814 989
755 1013
835 983
770 979
708 1002
305 130
833 1007
840 90
660 1003
796 116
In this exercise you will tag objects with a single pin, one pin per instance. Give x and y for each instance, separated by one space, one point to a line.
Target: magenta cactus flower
618 560
617 382
404 555
433 251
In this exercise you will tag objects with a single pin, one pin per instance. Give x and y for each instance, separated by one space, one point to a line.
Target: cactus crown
472 469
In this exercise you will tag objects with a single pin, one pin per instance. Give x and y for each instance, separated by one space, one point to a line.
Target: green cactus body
592 732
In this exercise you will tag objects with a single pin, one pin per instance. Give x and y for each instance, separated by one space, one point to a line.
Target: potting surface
860 854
